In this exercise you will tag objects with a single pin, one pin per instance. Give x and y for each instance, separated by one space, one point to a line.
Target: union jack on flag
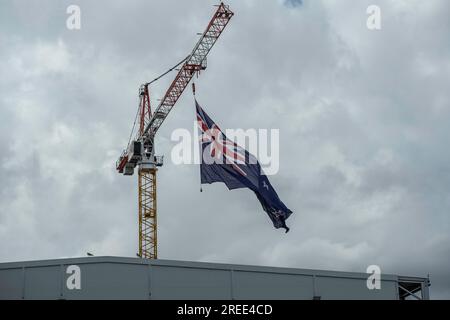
222 160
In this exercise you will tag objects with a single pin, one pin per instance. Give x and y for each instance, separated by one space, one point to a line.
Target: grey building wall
133 278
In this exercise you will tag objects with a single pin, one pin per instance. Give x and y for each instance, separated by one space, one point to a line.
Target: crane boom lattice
194 63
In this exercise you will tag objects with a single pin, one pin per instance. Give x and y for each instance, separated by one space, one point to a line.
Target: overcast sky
363 118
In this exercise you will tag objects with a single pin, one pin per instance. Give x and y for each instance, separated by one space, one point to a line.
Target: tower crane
140 152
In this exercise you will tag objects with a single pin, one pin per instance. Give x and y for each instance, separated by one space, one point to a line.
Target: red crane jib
195 62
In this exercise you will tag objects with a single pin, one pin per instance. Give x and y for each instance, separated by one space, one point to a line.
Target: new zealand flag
224 161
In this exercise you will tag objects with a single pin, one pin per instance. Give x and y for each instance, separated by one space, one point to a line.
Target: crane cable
147 84
171 69
134 126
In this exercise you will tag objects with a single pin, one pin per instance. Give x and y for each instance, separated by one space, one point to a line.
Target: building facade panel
132 278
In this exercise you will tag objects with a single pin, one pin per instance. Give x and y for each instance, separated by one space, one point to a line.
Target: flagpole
200 158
